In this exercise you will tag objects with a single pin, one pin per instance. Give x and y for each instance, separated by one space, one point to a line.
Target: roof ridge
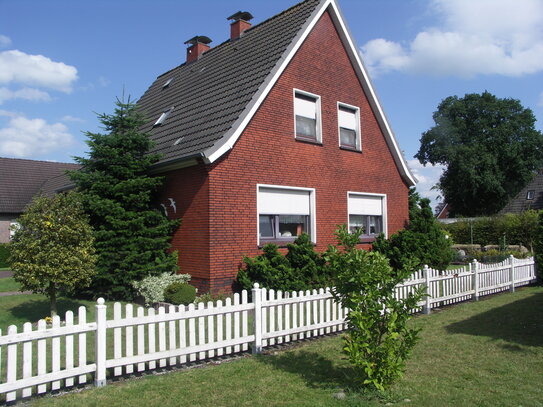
42 161
228 41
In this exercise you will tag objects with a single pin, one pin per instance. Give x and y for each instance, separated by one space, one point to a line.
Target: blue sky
62 61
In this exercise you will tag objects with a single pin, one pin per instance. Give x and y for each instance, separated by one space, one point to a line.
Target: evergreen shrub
4 254
301 269
180 293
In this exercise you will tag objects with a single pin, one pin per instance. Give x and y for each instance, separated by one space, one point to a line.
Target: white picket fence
64 354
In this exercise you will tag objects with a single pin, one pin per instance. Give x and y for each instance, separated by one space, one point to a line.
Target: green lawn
488 353
9 284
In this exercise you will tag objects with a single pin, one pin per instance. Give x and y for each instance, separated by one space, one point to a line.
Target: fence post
428 306
100 344
512 273
475 270
257 321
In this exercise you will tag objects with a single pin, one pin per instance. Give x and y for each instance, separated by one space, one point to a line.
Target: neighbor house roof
20 180
530 197
214 97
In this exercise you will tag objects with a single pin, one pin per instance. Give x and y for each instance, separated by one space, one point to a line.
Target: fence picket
201 331
237 330
42 355
55 353
220 351
244 319
228 325
192 333
161 336
27 360
182 333
210 330
117 338
171 331
11 364
279 309
69 382
272 311
129 314
140 331
151 338
82 342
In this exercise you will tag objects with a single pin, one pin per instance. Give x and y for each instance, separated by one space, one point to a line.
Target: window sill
354 150
367 239
282 243
308 141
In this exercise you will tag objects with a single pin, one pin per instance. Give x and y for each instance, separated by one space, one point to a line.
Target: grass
9 284
488 353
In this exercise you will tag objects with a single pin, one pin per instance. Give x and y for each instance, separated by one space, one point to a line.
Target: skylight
167 83
163 117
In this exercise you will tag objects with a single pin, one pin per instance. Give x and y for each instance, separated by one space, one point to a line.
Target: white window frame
530 195
383 208
318 130
358 146
160 121
312 208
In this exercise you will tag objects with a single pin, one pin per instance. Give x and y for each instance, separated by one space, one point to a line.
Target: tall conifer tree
132 237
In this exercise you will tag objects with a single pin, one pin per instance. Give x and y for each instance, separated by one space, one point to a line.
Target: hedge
4 255
509 229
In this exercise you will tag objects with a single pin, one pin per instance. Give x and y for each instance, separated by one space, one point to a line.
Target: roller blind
305 106
347 118
365 205
272 201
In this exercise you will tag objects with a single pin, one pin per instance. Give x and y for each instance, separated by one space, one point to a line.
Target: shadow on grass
317 370
520 323
35 309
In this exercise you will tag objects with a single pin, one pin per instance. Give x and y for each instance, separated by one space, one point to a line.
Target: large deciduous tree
53 249
132 236
489 147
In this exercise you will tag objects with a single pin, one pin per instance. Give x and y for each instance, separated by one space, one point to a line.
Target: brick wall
218 203
189 188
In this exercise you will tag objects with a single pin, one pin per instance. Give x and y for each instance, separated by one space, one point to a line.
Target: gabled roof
20 180
215 97
521 203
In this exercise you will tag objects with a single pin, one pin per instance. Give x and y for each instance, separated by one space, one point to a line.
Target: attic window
167 83
530 194
163 117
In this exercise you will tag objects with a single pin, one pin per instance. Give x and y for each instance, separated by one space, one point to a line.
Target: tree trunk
53 299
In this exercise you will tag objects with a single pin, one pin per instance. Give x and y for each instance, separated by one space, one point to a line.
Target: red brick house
276 131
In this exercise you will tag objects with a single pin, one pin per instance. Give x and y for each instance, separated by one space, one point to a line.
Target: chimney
198 45
240 24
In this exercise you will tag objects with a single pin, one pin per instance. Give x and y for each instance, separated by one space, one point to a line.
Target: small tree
378 340
132 236
53 250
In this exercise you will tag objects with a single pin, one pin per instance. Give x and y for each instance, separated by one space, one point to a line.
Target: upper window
530 194
349 126
167 83
284 214
307 112
14 226
367 212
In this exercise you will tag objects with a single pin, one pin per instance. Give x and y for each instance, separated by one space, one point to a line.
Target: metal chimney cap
199 38
241 15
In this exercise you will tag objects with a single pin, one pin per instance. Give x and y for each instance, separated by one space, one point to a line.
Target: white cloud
4 41
69 118
36 70
427 177
26 138
31 94
475 37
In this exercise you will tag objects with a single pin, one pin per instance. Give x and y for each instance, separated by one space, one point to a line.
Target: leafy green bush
210 297
54 248
495 256
180 293
301 269
4 254
152 288
378 340
423 242
508 229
